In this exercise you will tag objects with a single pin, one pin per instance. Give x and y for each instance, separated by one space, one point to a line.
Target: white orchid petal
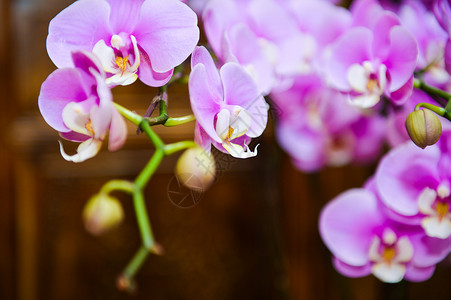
75 118
117 42
382 79
238 151
389 237
373 250
357 78
389 272
240 124
404 250
443 190
425 201
121 79
223 124
366 100
106 56
130 79
135 65
85 150
435 227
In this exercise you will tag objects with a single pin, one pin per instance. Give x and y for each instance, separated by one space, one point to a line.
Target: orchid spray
341 81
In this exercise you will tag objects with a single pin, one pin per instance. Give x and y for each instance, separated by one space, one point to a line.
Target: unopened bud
196 169
424 127
101 213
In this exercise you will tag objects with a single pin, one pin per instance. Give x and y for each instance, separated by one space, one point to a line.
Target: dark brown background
253 235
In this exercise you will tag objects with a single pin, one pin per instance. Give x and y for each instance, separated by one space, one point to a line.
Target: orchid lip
434 205
123 72
231 126
389 256
368 82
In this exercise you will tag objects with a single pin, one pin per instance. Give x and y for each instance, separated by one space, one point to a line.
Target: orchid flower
132 38
365 241
416 185
317 127
227 106
77 102
376 57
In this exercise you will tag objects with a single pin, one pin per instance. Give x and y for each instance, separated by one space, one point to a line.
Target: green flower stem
135 264
136 188
151 134
175 147
179 121
443 112
421 85
143 220
118 185
129 115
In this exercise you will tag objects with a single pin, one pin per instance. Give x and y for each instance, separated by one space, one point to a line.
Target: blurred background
252 235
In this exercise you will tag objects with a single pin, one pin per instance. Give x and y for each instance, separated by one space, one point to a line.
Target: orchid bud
196 169
101 213
424 127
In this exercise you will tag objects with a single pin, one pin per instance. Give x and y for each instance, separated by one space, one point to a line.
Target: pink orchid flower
132 38
77 102
227 105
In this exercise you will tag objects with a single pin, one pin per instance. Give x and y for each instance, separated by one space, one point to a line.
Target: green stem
118 185
148 242
149 169
438 110
175 147
151 134
421 85
179 121
135 264
129 115
143 220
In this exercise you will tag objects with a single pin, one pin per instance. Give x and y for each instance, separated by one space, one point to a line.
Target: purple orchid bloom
317 127
273 42
442 11
132 38
431 40
416 185
227 105
376 57
365 241
77 102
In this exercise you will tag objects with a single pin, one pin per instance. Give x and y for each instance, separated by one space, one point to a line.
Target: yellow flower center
442 209
388 254
89 128
121 62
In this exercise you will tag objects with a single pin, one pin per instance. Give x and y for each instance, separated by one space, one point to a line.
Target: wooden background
253 235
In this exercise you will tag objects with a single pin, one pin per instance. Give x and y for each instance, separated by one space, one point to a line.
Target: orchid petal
168 33
240 90
436 227
118 131
202 100
148 75
240 123
75 118
365 101
85 150
106 56
404 250
425 201
78 27
124 14
390 273
238 151
62 87
357 78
